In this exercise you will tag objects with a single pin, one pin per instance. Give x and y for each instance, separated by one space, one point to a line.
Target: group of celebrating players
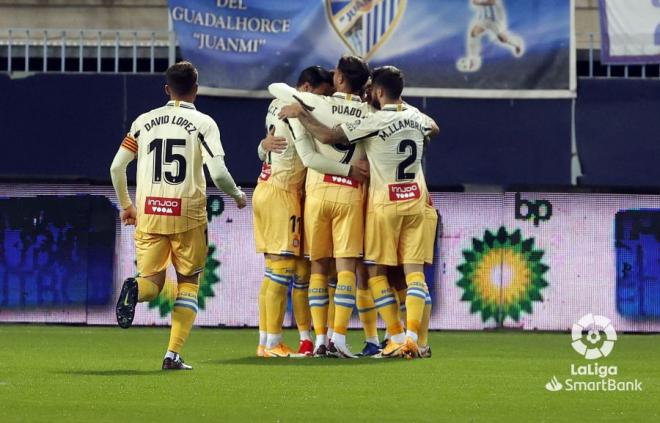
341 183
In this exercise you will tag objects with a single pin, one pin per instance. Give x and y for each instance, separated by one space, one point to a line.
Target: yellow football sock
147 290
367 311
183 315
300 295
344 300
262 304
386 304
332 286
401 299
318 302
415 301
276 294
423 336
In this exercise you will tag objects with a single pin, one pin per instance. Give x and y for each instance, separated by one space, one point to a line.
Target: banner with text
453 48
630 31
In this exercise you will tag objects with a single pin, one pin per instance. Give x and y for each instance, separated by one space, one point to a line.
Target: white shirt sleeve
362 129
118 176
290 95
222 178
282 91
209 137
427 124
263 154
304 144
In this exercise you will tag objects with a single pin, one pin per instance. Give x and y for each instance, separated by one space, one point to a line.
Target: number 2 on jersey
404 146
169 157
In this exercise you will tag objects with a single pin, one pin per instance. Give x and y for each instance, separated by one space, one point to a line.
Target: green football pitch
92 374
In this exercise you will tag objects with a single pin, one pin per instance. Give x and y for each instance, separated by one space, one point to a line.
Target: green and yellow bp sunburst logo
165 300
502 275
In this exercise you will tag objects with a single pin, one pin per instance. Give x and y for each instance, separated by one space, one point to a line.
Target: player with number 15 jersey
171 143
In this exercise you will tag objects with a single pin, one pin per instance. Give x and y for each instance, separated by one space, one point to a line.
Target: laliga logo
598 342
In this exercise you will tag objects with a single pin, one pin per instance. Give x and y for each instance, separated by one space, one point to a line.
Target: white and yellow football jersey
284 170
334 204
331 111
395 222
277 200
394 142
172 143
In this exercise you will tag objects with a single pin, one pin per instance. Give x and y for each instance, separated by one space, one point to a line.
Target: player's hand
291 111
128 216
241 201
356 174
272 143
363 168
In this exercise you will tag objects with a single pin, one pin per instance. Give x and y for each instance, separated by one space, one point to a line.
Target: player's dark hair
390 79
315 76
181 78
355 70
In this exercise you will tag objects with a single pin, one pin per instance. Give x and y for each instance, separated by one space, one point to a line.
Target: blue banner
456 48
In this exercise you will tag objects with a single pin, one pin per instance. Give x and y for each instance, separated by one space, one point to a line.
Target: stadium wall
520 260
55 120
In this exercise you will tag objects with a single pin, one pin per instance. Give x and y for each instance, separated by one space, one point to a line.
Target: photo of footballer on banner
453 48
490 20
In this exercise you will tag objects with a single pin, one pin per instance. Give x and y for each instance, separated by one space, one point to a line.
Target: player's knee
476 31
346 264
191 279
321 266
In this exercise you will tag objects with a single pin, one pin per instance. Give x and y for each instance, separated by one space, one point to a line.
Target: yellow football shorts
187 251
277 220
430 233
333 229
392 238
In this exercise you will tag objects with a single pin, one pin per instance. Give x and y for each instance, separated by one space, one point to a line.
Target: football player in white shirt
277 205
334 203
395 230
171 144
490 16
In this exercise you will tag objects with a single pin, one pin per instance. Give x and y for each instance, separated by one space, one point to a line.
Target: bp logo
165 300
502 275
593 336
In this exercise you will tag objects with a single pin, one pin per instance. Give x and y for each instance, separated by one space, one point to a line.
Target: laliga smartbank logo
593 337
599 340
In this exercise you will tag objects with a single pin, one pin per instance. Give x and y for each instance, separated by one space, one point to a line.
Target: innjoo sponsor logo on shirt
400 192
162 206
593 337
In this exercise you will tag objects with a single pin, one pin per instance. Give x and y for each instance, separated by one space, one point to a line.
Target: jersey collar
394 107
183 104
349 97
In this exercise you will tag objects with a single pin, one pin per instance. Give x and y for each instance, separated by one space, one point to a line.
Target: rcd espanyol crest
364 25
